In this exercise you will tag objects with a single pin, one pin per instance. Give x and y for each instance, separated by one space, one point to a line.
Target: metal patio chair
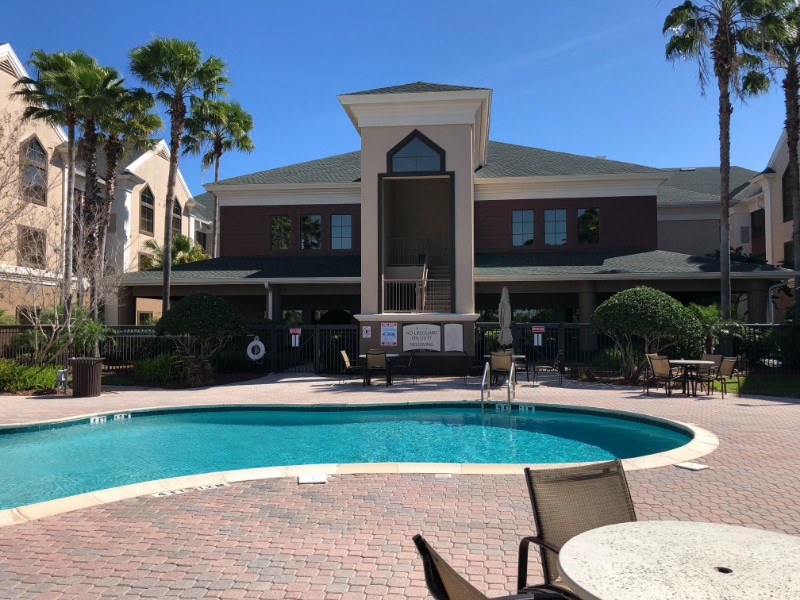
377 367
660 370
444 583
499 363
349 370
568 501
729 375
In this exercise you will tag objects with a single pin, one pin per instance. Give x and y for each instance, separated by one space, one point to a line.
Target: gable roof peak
417 87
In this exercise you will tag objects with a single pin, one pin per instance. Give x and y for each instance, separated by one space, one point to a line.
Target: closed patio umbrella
504 317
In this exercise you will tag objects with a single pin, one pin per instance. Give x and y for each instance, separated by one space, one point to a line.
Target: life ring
255 350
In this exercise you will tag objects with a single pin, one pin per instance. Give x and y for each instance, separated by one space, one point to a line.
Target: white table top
687 361
681 559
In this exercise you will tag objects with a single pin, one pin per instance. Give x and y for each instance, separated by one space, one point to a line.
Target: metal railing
406 251
417 295
486 384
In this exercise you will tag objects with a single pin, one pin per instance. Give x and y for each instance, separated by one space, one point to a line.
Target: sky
583 77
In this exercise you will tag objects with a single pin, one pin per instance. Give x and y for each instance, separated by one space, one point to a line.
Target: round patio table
689 371
681 559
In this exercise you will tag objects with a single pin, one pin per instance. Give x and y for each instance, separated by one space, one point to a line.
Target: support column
587 302
126 307
757 291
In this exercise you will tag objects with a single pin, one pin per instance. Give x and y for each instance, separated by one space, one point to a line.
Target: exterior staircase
438 290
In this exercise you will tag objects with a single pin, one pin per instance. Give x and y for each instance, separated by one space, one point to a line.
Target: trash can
86 375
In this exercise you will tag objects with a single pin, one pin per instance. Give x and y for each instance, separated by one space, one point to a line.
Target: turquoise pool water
37 465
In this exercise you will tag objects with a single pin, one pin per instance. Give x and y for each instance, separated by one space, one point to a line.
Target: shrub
643 317
15 377
161 369
210 322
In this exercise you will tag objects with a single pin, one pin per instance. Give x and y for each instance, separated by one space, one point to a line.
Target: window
146 211
280 232
176 216
588 225
341 232
310 232
200 237
145 262
555 227
757 223
144 318
787 197
31 247
34 173
521 227
416 154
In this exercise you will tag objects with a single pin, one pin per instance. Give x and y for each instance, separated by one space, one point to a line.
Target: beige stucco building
430 219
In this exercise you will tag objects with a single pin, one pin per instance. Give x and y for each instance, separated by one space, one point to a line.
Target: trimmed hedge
160 369
15 377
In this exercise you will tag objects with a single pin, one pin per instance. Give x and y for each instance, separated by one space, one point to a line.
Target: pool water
37 465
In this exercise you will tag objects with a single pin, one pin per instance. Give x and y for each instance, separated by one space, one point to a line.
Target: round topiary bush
643 320
201 325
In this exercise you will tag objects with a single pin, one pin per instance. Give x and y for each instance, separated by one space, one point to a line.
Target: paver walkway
351 538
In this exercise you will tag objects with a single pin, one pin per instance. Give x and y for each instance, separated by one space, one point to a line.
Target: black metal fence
317 348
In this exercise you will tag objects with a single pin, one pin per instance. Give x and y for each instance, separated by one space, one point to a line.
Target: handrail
512 389
486 383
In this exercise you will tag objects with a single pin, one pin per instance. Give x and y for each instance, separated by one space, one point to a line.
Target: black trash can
86 376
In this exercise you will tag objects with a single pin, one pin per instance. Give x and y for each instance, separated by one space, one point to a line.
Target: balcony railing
416 295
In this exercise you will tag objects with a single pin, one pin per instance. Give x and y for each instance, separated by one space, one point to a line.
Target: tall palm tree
52 96
783 52
184 250
721 32
213 128
176 70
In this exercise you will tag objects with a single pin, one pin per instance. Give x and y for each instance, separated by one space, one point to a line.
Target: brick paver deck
351 538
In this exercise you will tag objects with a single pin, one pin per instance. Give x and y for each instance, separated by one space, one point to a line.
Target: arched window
176 216
146 211
34 172
416 154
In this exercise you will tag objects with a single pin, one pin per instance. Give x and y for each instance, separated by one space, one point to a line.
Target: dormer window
416 154
34 172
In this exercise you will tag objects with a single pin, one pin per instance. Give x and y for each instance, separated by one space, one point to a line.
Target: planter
86 376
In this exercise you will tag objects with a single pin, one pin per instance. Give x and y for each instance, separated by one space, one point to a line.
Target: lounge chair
445 584
349 370
568 501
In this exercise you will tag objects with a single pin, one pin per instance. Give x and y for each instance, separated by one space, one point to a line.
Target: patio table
689 371
681 559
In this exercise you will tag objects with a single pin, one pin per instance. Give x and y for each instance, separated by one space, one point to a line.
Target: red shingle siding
626 223
245 230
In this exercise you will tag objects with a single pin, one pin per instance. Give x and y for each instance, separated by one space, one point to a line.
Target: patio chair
729 375
660 370
349 370
444 583
568 501
499 363
522 364
557 366
377 367
706 374
405 369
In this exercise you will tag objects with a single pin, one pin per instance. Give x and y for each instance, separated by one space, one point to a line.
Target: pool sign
366 331
295 333
422 337
388 334
537 331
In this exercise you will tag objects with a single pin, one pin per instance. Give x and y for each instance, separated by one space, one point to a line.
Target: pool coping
702 443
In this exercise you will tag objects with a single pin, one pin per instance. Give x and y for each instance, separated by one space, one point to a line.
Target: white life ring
255 350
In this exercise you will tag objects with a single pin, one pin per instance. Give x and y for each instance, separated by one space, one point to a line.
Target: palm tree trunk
215 221
791 85
178 116
725 110
70 216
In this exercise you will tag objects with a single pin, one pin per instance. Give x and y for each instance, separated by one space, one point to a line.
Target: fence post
273 345
316 333
562 346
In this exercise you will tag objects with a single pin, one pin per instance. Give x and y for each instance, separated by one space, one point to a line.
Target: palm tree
184 250
213 128
783 52
52 96
723 31
176 70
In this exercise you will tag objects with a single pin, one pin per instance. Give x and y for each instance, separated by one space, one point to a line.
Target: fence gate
312 348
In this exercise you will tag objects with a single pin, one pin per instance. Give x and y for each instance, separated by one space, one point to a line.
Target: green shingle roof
205 206
226 268
503 160
530 264
418 87
700 185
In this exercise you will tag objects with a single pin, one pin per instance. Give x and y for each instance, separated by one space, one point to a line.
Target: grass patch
769 385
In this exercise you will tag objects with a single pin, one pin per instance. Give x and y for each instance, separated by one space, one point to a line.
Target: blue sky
585 77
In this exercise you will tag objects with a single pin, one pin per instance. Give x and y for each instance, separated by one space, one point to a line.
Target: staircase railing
486 384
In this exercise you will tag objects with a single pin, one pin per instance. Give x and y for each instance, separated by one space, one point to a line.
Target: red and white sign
537 329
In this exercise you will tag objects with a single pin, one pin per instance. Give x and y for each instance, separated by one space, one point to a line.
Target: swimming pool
46 462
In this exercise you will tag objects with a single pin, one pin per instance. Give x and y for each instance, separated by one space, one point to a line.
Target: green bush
15 377
647 318
161 369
